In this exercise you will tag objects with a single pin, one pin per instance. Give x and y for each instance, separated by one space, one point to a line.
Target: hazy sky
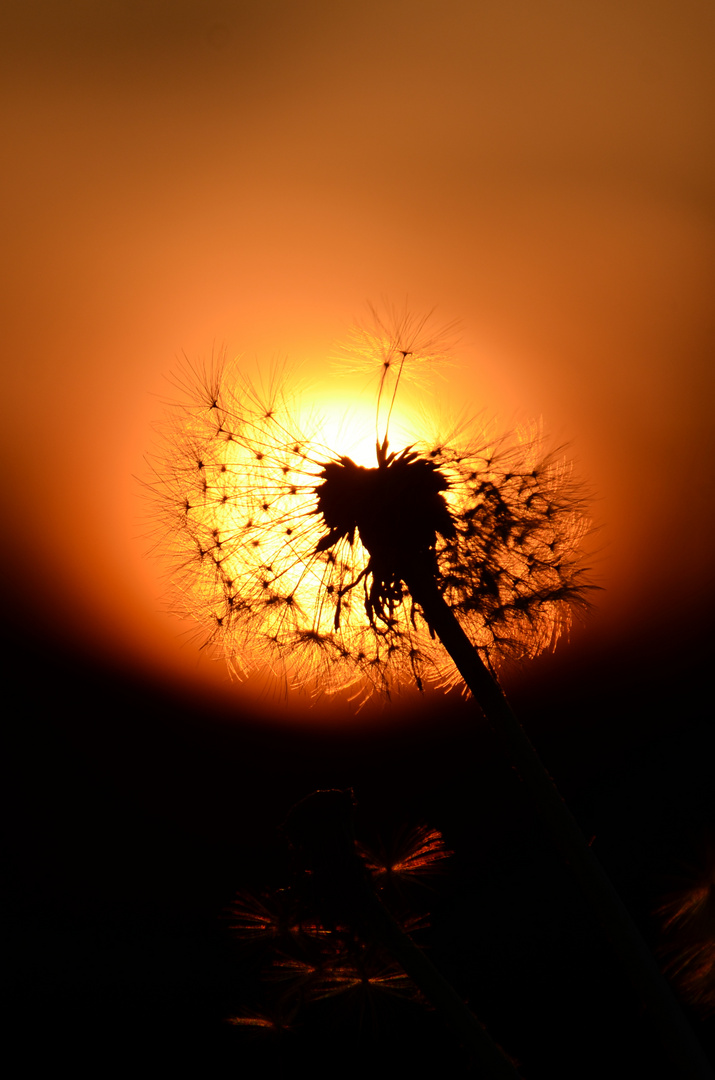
181 175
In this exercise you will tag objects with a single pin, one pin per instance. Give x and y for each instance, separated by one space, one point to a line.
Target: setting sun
300 535
270 568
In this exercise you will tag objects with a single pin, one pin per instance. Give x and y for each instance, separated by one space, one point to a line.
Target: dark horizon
135 819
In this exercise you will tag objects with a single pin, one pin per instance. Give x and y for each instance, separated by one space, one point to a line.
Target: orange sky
179 175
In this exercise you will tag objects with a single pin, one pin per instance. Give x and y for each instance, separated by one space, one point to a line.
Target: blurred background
181 177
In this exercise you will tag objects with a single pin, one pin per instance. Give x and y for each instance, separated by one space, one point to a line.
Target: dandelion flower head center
396 508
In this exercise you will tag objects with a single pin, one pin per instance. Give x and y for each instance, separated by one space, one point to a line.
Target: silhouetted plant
330 934
294 557
451 552
315 927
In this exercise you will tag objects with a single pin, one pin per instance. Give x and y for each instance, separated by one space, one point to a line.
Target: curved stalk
320 832
486 1054
675 1033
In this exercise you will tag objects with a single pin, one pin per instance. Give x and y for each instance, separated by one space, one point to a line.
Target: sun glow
348 426
252 463
295 520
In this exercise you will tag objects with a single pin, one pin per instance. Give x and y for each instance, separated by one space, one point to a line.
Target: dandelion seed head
289 546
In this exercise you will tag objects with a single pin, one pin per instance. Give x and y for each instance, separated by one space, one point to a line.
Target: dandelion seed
363 975
299 972
263 1023
412 854
297 559
265 918
687 921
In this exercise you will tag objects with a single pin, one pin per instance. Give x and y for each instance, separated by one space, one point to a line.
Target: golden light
246 476
288 512
348 426
571 231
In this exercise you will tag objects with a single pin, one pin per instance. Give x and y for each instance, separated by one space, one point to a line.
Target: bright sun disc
348 426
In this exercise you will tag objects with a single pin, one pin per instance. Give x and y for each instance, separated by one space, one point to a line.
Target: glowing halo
279 581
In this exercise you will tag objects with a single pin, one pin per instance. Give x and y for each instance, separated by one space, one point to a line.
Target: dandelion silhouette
294 557
440 560
315 927
332 938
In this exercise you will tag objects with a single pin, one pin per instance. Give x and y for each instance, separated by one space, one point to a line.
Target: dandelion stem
675 1033
487 1055
319 829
